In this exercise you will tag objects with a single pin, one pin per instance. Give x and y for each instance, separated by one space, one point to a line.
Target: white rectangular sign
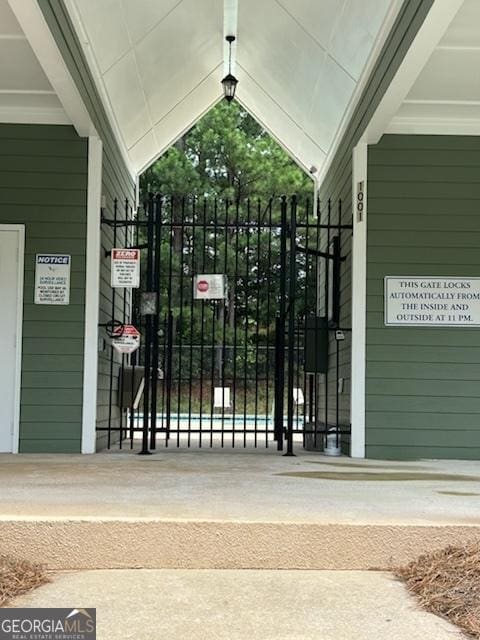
423 301
125 272
210 286
52 279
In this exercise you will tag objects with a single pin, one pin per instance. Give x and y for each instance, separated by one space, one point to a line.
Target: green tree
229 157
227 154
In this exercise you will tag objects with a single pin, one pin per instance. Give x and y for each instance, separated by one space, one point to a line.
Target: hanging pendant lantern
229 82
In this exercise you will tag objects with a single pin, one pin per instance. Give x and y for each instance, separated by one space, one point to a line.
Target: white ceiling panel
130 109
464 30
26 95
330 98
189 111
145 148
168 68
445 98
140 22
260 105
288 74
8 22
26 74
356 32
159 64
105 29
319 19
449 75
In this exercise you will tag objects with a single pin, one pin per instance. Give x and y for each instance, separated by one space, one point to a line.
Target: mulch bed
447 583
18 577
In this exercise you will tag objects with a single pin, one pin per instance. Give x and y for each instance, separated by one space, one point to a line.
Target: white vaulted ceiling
158 65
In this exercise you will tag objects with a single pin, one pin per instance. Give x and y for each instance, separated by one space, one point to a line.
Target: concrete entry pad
230 510
268 605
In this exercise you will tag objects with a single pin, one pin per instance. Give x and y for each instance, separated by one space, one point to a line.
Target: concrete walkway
232 510
244 605
226 485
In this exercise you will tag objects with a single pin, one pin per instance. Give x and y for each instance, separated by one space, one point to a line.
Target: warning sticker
125 268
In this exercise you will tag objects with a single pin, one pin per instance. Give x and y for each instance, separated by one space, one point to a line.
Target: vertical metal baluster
202 322
318 245
234 311
112 351
169 337
192 311
214 313
257 332
136 355
124 321
163 319
291 325
148 331
245 368
327 314
157 208
180 323
338 302
269 279
280 331
305 313
224 328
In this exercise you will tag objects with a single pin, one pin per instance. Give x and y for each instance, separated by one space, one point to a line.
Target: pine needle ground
447 583
18 577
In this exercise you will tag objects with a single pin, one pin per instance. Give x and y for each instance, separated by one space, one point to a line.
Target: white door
11 300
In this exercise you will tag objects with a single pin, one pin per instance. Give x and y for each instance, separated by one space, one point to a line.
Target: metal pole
148 331
157 208
291 326
280 331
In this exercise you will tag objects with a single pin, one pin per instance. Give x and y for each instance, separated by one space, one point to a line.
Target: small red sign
202 285
126 339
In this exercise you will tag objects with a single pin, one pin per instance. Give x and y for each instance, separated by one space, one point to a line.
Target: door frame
20 230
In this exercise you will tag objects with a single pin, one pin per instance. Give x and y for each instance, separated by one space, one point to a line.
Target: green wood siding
117 183
43 185
423 383
337 183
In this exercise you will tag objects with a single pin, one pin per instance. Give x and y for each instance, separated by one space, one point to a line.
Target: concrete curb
92 543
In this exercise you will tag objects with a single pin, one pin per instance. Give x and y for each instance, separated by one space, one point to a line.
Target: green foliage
227 154
229 157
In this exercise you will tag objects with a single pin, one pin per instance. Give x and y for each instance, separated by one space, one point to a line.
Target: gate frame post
291 324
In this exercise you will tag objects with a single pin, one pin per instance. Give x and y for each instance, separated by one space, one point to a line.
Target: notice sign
126 339
444 302
211 286
52 278
125 270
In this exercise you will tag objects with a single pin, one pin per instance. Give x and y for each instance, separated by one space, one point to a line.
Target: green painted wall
423 383
117 183
337 184
43 184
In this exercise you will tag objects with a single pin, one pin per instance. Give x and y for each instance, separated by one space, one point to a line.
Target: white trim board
20 229
92 294
359 303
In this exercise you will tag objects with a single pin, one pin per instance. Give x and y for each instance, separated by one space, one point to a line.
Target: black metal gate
229 317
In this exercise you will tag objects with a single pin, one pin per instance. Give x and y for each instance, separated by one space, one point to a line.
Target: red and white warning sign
125 268
126 339
211 286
